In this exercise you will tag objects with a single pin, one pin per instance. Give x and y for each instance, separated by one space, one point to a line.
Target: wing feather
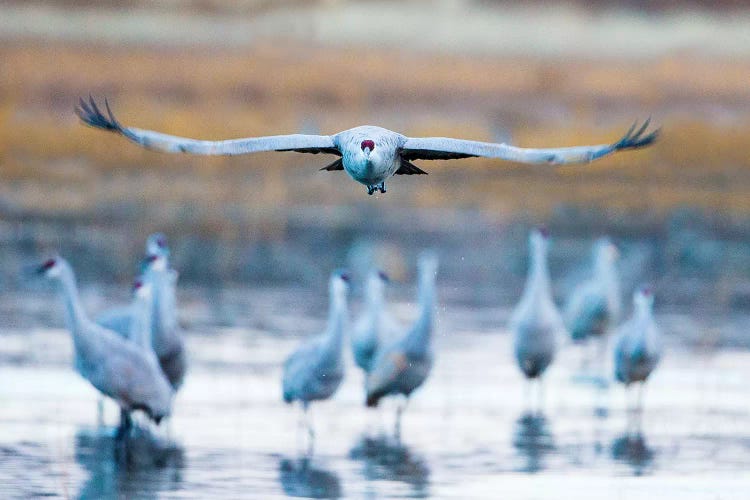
91 115
444 148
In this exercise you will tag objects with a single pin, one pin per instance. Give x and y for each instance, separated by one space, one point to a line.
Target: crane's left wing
91 115
444 148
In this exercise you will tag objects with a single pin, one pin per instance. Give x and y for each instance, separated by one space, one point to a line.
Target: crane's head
376 282
367 146
51 268
156 244
155 262
339 283
643 298
606 251
142 289
539 238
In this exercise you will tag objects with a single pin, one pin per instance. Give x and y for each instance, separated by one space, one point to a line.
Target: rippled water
465 434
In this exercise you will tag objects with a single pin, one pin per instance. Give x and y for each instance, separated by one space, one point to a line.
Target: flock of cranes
592 311
136 354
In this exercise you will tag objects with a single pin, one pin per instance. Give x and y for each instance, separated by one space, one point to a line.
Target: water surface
466 434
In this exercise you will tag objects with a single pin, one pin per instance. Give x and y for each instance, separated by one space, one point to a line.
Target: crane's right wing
90 114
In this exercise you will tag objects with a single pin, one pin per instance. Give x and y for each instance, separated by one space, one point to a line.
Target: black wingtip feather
90 114
634 139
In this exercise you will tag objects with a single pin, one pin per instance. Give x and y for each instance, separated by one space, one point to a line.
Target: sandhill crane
315 369
167 338
402 366
639 346
119 368
369 154
536 323
374 326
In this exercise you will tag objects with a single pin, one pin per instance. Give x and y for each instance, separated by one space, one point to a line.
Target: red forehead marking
367 143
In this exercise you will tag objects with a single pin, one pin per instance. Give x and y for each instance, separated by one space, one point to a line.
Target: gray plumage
403 366
118 368
374 326
167 338
638 347
315 370
595 305
369 154
536 323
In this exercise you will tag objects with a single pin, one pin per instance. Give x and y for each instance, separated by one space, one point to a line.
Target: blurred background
249 232
525 73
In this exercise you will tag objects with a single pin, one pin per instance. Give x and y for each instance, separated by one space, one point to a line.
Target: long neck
374 299
141 322
78 322
646 332
537 281
337 320
606 275
75 316
164 303
605 269
420 336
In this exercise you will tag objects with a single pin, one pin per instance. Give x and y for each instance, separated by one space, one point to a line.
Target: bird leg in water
371 189
100 412
600 357
308 426
540 396
527 396
633 408
639 407
400 408
534 403
381 187
126 423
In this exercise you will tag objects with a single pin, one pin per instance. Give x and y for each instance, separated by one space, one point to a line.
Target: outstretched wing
443 148
90 114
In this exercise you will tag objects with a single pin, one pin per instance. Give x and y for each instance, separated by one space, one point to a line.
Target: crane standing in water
404 365
374 326
536 323
125 370
638 348
167 338
314 371
594 308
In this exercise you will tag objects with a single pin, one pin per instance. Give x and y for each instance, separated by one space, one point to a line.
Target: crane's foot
381 187
371 189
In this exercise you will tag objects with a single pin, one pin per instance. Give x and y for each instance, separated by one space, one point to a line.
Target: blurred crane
404 365
638 348
315 369
536 323
121 369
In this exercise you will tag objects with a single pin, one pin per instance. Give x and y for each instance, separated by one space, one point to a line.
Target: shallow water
465 434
